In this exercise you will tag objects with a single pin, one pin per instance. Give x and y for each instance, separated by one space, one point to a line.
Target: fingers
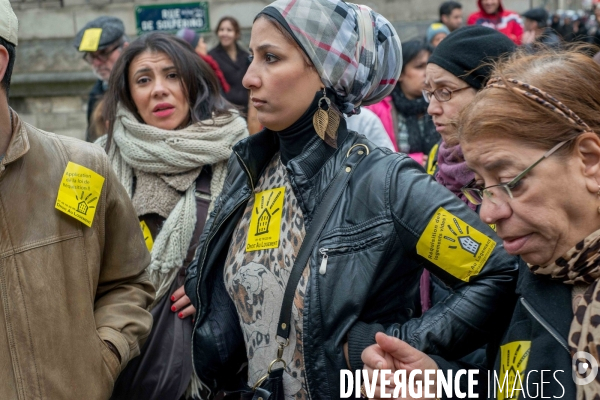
182 304
186 312
179 293
374 357
398 349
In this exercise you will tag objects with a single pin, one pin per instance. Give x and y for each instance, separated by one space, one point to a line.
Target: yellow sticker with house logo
455 246
265 223
513 363
147 235
79 193
90 40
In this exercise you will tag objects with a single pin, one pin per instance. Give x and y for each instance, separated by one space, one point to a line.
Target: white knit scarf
152 150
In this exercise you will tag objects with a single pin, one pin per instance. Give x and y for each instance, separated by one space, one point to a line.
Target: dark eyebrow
146 69
443 82
498 164
264 47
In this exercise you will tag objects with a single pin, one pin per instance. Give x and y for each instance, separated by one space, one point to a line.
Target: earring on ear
326 122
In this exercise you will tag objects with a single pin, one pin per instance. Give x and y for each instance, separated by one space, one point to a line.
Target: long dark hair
198 80
411 49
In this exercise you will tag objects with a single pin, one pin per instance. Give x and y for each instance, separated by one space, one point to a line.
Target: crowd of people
249 224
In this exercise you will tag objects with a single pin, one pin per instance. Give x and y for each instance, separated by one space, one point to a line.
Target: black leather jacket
373 270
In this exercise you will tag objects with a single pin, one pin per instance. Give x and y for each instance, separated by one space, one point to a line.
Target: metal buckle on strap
358 145
281 346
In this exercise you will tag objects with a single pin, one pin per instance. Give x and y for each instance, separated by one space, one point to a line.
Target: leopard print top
256 282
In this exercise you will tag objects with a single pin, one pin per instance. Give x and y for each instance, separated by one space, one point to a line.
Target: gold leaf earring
326 123
321 117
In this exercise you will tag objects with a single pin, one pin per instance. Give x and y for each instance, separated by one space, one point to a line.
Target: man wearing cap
101 42
73 286
537 30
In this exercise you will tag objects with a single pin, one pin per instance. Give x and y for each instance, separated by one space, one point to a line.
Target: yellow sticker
90 40
147 235
265 223
493 226
513 363
453 245
432 159
79 192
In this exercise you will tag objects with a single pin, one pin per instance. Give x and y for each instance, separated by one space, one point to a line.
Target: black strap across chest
355 155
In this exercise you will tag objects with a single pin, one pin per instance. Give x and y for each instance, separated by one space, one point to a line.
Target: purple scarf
453 172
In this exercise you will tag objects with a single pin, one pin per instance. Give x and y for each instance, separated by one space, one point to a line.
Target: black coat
234 72
371 281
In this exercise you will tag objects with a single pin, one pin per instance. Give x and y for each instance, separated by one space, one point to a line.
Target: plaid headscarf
356 51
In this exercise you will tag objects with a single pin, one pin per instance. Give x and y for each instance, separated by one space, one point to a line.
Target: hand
528 37
182 304
394 354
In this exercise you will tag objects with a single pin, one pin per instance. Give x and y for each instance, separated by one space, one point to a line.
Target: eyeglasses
101 55
441 94
501 193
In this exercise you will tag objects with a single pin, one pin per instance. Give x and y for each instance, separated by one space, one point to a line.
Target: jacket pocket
340 246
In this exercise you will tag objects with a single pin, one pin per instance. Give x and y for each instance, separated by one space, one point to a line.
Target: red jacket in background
505 21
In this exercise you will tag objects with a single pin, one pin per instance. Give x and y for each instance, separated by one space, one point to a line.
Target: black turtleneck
293 139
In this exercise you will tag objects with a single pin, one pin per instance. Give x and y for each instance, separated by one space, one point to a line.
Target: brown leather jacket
65 288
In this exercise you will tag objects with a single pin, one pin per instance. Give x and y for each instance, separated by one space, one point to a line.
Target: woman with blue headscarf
319 238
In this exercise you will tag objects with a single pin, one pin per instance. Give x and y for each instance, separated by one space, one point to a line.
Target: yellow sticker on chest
147 235
265 223
79 193
513 364
453 245
90 40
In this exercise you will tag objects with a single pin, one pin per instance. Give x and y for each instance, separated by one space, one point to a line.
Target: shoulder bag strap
354 156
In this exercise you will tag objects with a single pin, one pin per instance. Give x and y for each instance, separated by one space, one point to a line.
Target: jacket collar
256 151
19 142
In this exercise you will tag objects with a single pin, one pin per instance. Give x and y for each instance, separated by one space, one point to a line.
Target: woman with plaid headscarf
311 61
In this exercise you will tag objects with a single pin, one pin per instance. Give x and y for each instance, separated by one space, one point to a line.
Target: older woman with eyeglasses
532 139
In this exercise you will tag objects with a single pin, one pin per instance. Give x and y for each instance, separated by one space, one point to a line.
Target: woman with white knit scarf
170 136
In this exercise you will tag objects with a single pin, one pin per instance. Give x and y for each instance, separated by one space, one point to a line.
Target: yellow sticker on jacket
453 245
90 40
265 223
432 159
79 192
513 364
147 235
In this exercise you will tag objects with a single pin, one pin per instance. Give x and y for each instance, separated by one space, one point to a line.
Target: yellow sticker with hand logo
455 246
90 40
265 223
513 364
79 193
147 235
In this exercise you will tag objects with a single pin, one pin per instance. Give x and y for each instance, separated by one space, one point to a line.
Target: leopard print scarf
581 264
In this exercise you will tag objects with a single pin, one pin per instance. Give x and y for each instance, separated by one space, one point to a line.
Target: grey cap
112 30
539 15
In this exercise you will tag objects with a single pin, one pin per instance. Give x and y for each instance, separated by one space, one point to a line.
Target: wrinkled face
226 34
201 47
443 113
103 62
454 20
552 209
438 38
412 78
281 85
490 6
157 91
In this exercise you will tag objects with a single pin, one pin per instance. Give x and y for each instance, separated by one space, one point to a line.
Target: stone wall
51 81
